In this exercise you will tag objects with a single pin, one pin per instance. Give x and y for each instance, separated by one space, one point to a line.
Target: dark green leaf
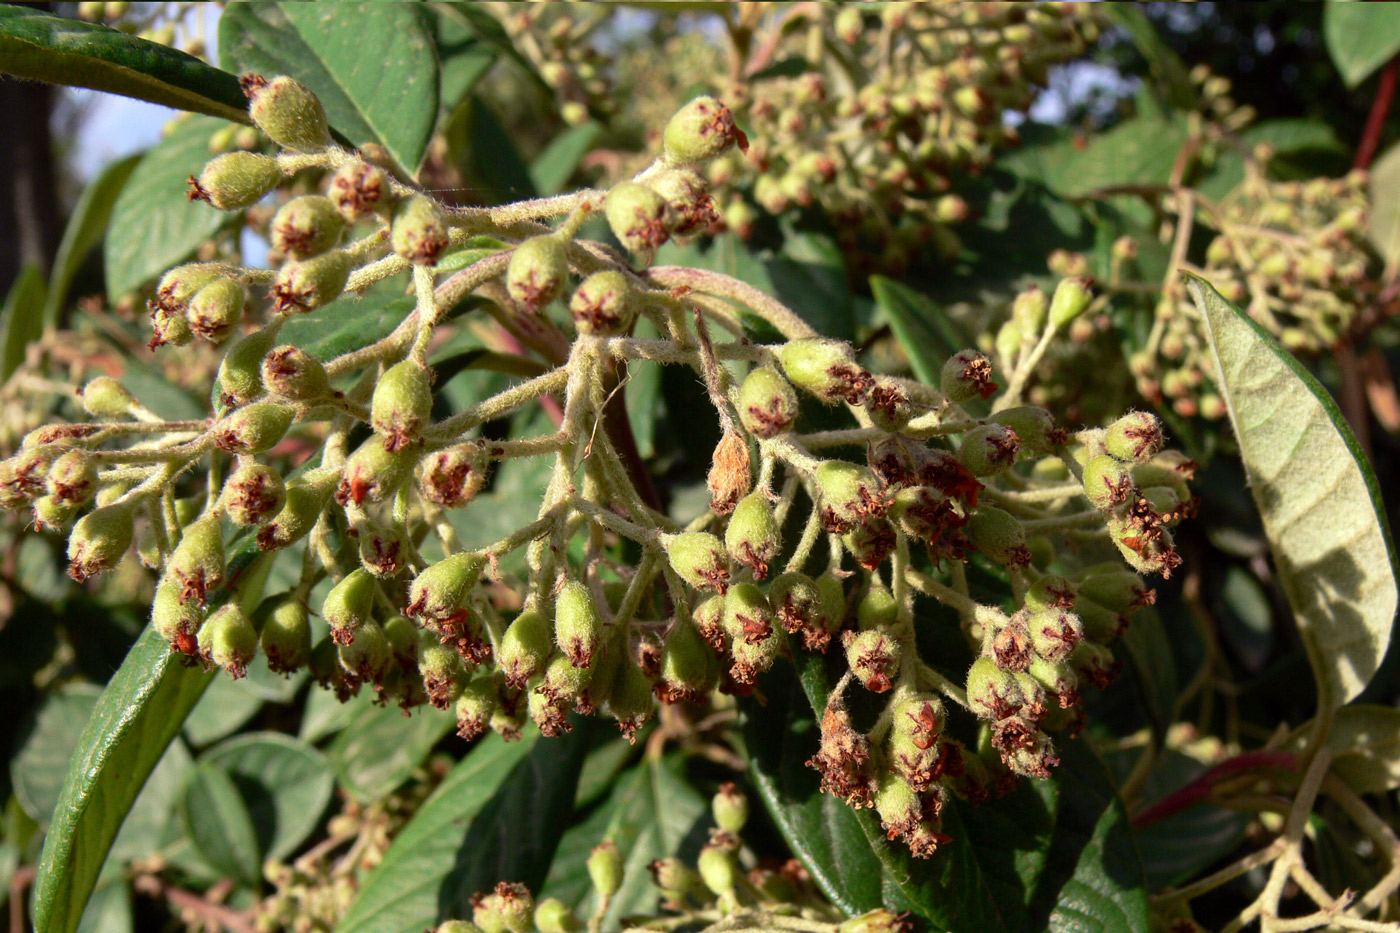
219 824
1150 657
1139 151
1179 847
476 19
463 55
1318 497
651 812
154 812
373 65
21 319
224 707
487 155
553 168
924 331
1360 37
154 225
58 50
382 747
498 815
41 762
285 784
347 324
86 226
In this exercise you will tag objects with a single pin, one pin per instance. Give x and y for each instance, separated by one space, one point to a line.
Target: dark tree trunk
30 221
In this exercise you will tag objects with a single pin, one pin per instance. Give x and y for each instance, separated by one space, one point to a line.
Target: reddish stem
1199 789
1375 122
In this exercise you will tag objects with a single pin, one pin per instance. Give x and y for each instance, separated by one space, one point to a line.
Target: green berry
1136 437
639 217
1071 300
605 869
1029 310
578 630
286 634
373 472
604 304
306 226
688 670
873 657
699 131
476 707
418 231
1108 483
1051 592
99 539
367 656
253 494
524 647
699 558
175 621
217 308
989 449
967 375
1117 589
1054 633
295 375
452 478
254 428
999 535
72 479
240 372
105 397
718 869
302 285
358 188
287 112
825 369
236 180
537 272
305 498
753 536
1034 427
630 700
888 404
767 403
554 916
402 404
440 592
898 806
848 494
730 808
876 609
444 674
229 639
196 564
383 548
349 605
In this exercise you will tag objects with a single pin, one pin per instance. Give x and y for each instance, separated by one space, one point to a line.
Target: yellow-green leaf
1317 495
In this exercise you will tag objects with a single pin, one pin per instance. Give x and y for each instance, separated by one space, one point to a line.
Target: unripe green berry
510 908
254 428
1135 437
383 549
604 304
444 674
175 621
752 536
216 308
686 192
451 478
989 449
1029 310
876 609
105 397
1034 426
718 869
554 916
605 869
456 926
295 375
524 647
1117 589
639 217
848 493
418 232
440 592
368 656
999 535
873 656
402 404
730 808
306 226
538 272
178 286
288 112
236 180
286 634
871 541
1146 549
403 637
1008 341
991 692
229 639
747 614
1054 633
699 558
699 131
305 284
72 479
1108 483
240 372
373 472
578 630
50 514
1051 592
1071 300
253 494
305 498
767 403
476 707
358 188
688 667
967 375
675 879
630 699
825 369
196 564
1056 677
349 605
98 540
797 605
888 404
897 805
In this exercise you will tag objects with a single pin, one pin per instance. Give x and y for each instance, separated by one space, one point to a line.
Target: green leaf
552 169
1317 495
285 784
68 51
135 719
498 815
1383 219
464 56
1166 67
1138 151
1149 654
924 331
154 225
1179 847
347 324
86 226
1291 139
109 910
224 707
21 319
651 812
1366 740
219 824
487 155
41 762
382 748
373 65
1360 37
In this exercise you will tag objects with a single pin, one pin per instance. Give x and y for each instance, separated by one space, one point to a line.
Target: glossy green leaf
285 784
382 748
1383 219
135 719
498 815
651 812
1360 37
86 226
923 329
1051 855
40 764
553 168
21 318
59 50
154 226
1317 496
372 64
219 824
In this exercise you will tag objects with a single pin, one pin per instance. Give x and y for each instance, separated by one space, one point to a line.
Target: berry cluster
931 478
